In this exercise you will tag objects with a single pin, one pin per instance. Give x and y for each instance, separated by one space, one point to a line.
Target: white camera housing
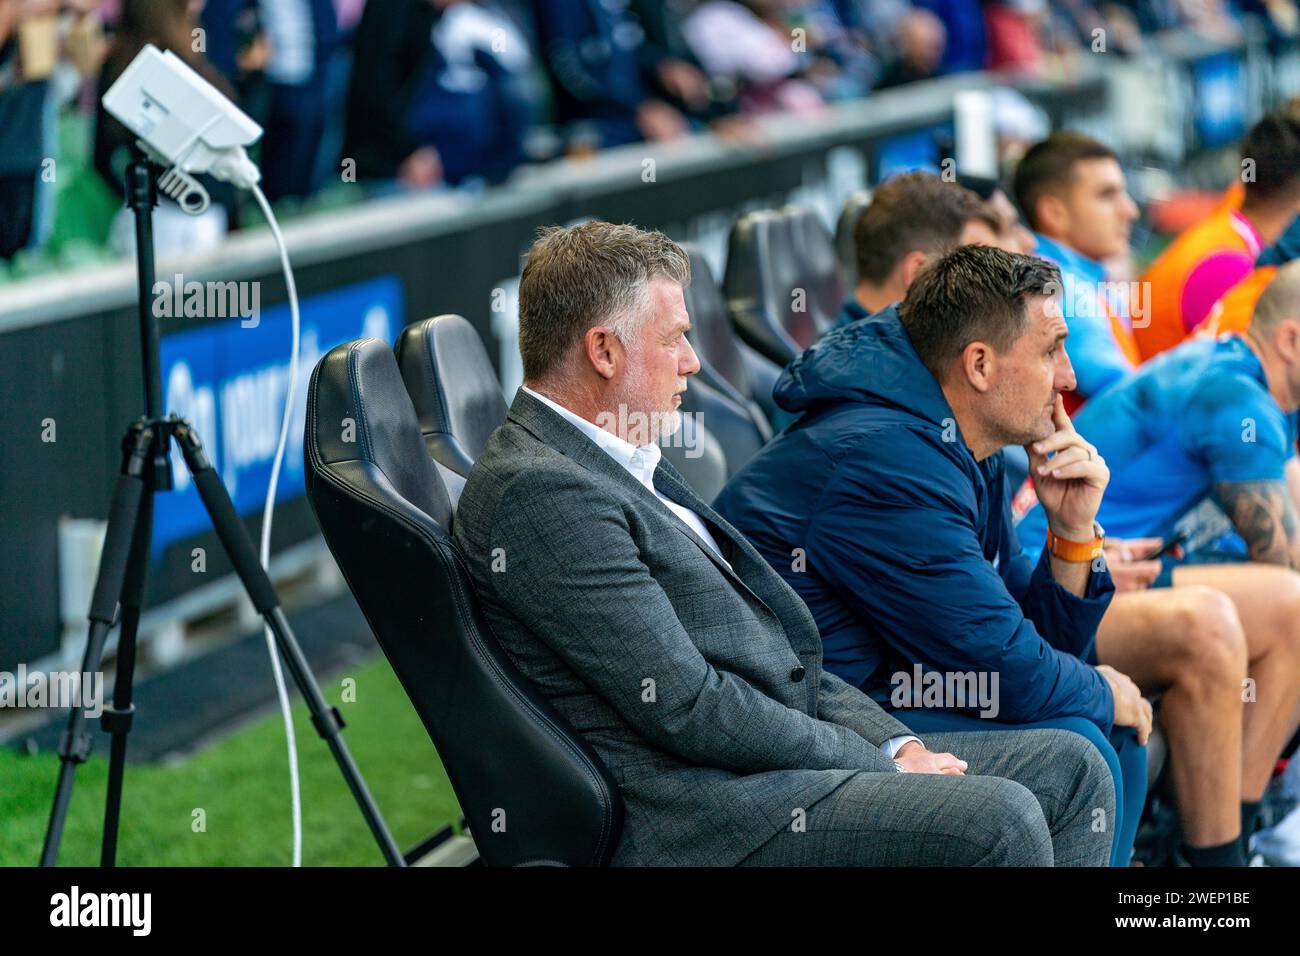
183 122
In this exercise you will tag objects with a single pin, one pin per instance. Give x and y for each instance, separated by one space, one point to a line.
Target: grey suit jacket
700 686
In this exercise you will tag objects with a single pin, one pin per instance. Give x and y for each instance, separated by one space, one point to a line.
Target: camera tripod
123 569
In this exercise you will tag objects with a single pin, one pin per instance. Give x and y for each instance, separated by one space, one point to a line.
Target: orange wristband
1075 551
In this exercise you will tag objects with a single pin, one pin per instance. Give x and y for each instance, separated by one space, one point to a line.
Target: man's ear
910 266
977 365
1286 339
604 351
1053 215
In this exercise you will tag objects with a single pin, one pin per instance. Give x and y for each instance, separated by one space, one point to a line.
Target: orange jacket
1189 277
1234 310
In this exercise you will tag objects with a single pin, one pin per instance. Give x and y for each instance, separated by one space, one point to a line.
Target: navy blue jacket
851 312
908 552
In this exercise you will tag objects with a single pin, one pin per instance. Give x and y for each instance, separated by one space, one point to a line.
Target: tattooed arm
1264 514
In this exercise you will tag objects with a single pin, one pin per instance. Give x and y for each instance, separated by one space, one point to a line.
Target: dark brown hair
909 213
1048 166
972 294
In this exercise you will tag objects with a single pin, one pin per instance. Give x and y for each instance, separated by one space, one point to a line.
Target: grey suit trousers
1047 800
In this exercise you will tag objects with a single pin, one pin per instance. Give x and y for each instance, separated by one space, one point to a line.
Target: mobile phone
1166 547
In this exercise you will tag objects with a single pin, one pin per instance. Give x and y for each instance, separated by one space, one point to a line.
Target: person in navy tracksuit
897 533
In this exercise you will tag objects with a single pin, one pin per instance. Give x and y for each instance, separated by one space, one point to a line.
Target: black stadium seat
783 282
458 402
845 248
699 456
730 423
530 787
727 365
433 351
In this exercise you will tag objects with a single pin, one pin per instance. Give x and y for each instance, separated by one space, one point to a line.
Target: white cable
268 511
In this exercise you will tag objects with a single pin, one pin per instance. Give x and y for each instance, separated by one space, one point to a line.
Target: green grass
242 785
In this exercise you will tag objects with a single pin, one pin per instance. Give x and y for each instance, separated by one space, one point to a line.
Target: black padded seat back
727 366
530 787
698 456
711 335
454 387
783 285
732 424
356 415
845 248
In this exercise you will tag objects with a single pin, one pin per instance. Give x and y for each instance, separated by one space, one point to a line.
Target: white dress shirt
641 461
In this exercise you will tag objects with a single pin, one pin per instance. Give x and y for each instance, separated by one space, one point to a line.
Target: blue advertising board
1219 100
916 151
229 379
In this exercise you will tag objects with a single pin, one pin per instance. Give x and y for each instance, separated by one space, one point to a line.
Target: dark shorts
1165 579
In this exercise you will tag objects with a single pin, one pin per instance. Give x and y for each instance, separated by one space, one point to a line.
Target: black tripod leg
118 716
239 547
122 518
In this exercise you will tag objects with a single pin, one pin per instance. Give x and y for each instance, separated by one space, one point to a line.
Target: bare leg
1268 602
1188 643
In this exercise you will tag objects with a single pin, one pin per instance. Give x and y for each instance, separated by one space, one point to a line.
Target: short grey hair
594 273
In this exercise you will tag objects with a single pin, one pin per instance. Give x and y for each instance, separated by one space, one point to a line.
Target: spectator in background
843 67
920 40
1211 257
302 35
234 42
703 97
1072 191
1215 19
750 47
29 53
876 21
963 23
438 93
169 25
891 242
338 75
1015 35
610 85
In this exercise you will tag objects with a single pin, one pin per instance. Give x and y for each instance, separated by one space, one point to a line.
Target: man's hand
1131 708
422 169
916 759
1124 560
658 121
686 82
1069 485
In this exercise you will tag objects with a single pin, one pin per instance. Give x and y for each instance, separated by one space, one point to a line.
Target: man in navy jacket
883 506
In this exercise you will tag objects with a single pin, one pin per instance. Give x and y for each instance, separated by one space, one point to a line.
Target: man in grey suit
681 656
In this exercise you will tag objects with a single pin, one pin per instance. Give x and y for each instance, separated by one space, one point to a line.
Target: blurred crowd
419 94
